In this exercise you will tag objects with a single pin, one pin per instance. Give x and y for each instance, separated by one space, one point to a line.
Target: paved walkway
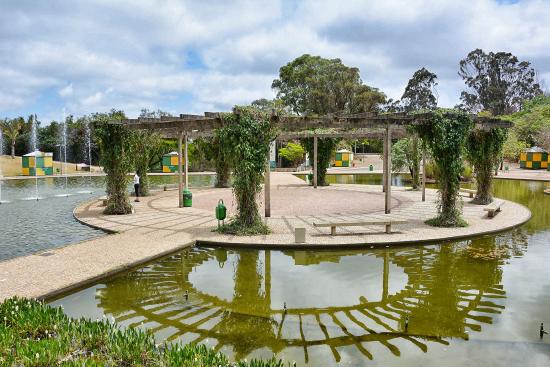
158 227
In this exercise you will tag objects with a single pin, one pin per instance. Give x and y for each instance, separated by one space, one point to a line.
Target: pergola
354 126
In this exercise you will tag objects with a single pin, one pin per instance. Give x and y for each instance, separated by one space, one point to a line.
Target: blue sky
196 56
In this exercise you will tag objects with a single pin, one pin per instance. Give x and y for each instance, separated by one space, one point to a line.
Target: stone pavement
158 227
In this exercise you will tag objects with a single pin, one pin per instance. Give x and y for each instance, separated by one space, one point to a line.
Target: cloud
189 56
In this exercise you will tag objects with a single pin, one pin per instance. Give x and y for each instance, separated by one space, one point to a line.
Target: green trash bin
371 168
187 198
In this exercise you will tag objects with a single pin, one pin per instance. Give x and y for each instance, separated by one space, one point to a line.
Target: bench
493 208
385 222
469 191
103 200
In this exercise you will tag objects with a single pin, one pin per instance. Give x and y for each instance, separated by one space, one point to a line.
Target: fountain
34 144
1 174
88 153
64 145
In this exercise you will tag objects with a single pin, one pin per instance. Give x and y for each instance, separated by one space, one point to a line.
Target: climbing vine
116 143
325 149
245 139
483 150
445 136
147 146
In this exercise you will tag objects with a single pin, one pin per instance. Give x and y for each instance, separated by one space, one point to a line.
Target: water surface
476 302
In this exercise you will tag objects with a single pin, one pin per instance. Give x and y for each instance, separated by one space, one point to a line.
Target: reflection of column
267 277
385 277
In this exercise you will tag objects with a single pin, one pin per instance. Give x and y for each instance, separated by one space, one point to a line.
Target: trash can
187 198
371 168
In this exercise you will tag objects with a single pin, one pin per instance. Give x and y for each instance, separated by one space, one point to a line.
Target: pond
28 225
474 302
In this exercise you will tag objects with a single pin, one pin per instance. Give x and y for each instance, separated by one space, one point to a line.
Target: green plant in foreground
35 334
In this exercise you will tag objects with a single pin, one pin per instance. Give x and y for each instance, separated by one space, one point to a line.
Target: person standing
136 186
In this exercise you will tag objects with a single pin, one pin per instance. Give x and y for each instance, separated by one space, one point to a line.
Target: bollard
300 235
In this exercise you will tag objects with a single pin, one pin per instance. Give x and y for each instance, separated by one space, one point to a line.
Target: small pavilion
384 126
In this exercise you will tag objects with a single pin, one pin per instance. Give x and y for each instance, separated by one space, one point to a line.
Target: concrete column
388 171
385 276
315 161
186 163
180 173
423 173
267 189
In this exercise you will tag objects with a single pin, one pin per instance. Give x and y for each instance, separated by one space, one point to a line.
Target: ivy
245 138
325 148
445 136
484 150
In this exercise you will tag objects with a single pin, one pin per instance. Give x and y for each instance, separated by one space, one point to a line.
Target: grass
34 334
237 228
439 222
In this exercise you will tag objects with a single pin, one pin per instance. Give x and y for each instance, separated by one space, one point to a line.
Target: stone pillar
315 161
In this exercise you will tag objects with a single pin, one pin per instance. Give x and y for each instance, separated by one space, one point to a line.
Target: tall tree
315 85
498 82
418 95
12 129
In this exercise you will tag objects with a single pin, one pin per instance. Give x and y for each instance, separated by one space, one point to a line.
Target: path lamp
221 212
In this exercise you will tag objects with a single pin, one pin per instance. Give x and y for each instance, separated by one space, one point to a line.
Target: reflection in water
237 297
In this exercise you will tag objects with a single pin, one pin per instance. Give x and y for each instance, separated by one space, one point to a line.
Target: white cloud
189 56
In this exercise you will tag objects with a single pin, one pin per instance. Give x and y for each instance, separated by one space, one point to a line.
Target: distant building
170 162
37 164
534 158
343 158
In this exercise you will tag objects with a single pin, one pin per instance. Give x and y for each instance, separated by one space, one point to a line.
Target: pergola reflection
447 295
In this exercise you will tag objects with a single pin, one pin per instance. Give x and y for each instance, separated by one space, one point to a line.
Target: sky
196 56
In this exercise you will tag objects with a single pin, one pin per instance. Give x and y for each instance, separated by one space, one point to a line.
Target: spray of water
34 144
65 148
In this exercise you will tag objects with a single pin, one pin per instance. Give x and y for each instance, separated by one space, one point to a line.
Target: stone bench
385 222
493 208
470 192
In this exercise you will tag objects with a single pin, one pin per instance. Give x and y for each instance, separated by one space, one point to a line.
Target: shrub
34 334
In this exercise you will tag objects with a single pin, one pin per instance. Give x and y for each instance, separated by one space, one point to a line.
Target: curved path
159 228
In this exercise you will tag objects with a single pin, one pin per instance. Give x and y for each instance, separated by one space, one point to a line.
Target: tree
12 129
117 148
498 82
405 155
418 95
146 145
245 138
484 151
445 136
293 153
314 85
533 121
513 147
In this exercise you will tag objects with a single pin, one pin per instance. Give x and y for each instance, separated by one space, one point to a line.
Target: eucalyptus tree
498 82
312 85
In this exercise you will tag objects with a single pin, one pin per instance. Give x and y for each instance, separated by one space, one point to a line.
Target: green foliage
12 129
419 91
34 334
325 151
213 151
117 148
484 151
245 138
314 85
293 153
445 136
532 123
146 146
406 155
513 147
498 82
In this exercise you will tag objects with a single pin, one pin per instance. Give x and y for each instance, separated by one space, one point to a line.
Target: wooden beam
267 188
388 171
180 178
315 161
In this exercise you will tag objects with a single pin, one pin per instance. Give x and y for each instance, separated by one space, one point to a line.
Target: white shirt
136 179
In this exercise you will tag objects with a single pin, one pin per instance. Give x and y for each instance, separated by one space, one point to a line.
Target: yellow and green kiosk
534 158
170 162
37 164
343 158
